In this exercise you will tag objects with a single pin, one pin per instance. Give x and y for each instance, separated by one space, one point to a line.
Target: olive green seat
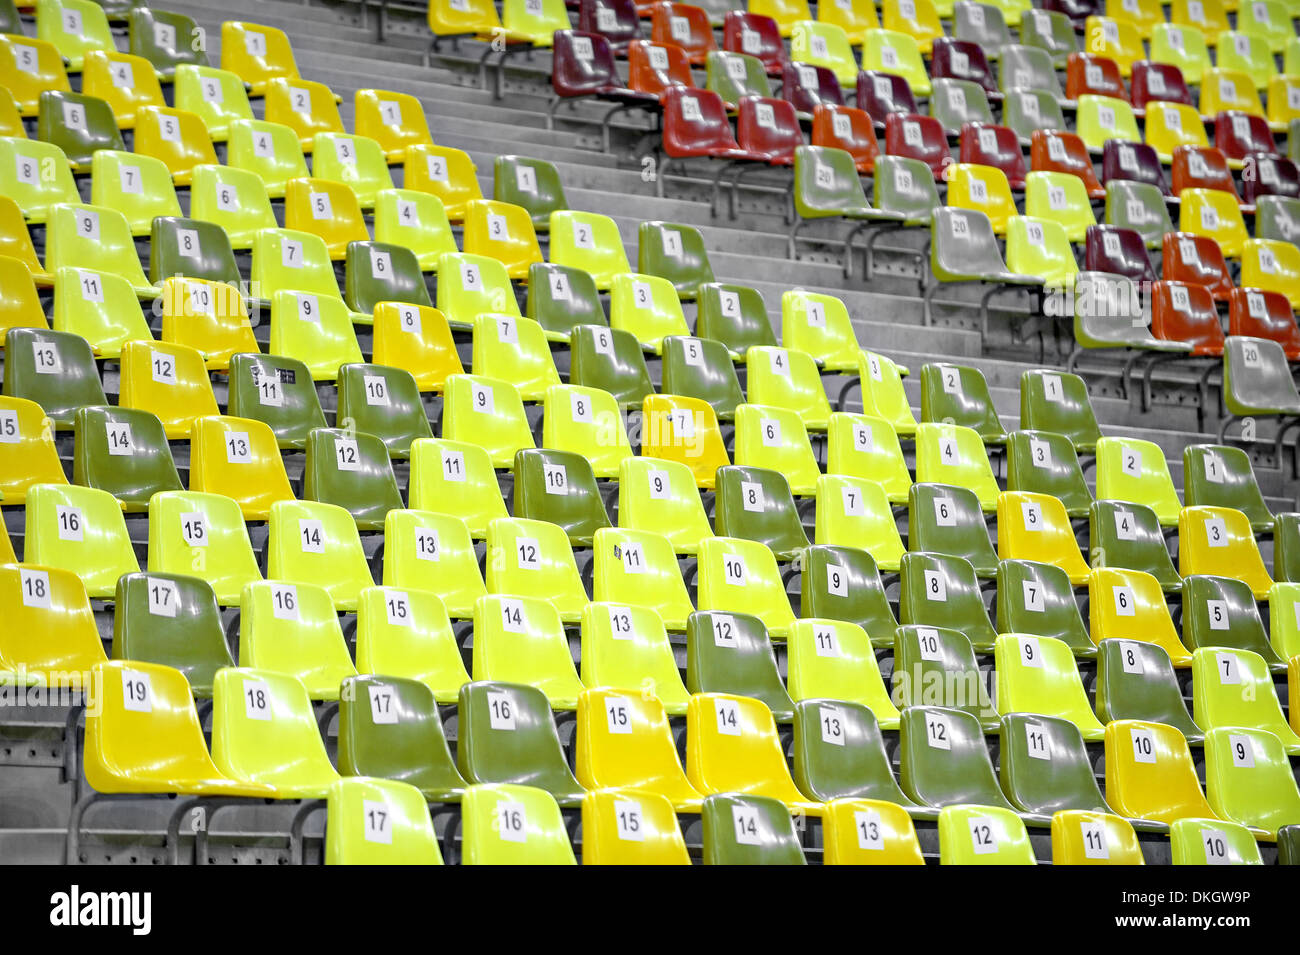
756 504
1127 535
731 653
936 666
1058 402
533 184
1286 542
839 753
843 583
945 519
958 394
382 272
1136 681
743 829
943 760
963 249
610 359
165 39
905 187
560 298
1046 463
80 125
352 470
1278 217
56 370
676 253
1139 206
702 368
559 487
389 728
383 401
1027 110
1038 599
942 591
734 315
1044 766
277 391
125 452
193 248
172 620
1222 476
1221 612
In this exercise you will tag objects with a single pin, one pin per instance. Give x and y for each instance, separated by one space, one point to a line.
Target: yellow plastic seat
684 430
789 379
1219 541
271 151
533 21
586 421
882 393
630 828
1143 14
646 306
501 231
786 13
983 835
11 121
854 17
100 307
776 439
30 67
639 569
144 736
1086 837
732 747
202 535
520 639
408 634
1062 198
486 412
1234 688
257 53
1150 775
16 241
314 542
433 552
741 576
293 629
507 824
514 349
1130 605
591 242
625 645
49 637
449 174
1272 265
1132 470
74 27
660 496
855 512
20 305
984 189
952 454
418 340
1036 527
287 260
210 317
1223 90
264 731
315 329
78 234
887 51
82 530
1248 779
168 380
30 456
394 120
865 446
833 659
868 832
469 285
1118 40
416 220
379 822
305 106
1182 46
1169 125
1208 16
1102 118
216 96
327 209
1039 675
177 138
125 82
919 19
820 325
1215 214
825 45
238 457
355 160
1283 101
455 477
528 558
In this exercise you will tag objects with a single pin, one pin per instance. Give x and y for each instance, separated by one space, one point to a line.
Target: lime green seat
789 379
889 51
1041 247
588 241
855 512
775 438
79 234
741 576
378 822
661 496
882 393
1212 842
100 307
1284 618
648 307
513 825
315 542
834 659
586 421
825 45
1233 688
979 835
1103 118
1136 471
292 629
865 446
270 151
533 559
638 568
215 96
1248 778
82 530
356 160
457 478
1246 53
408 634
1039 675
521 640
486 412
139 187
627 646
515 350
415 220
202 534
36 175
428 551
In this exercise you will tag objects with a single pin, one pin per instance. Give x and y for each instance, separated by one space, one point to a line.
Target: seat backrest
731 653
293 629
53 639
1038 598
1149 773
943 760
843 583
1044 767
939 590
513 825
918 137
997 146
124 452
748 829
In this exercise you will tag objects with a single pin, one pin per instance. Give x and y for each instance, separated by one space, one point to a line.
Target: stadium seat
739 576
560 488
1190 260
1035 526
543 564
1215 539
984 24
125 82
824 45
1257 313
1105 118
609 360
962 60
433 552
889 51
913 136
590 242
1222 476
271 151
880 93
937 665
1158 82
238 457
594 426
699 368
1081 837
76 234
755 34
843 583
438 464
191 532
257 53
291 630
944 762
171 620
1212 842
839 753
953 455
1136 681
864 518
734 315
1118 40
316 327
209 316
175 137
954 103
394 120
385 402
734 76
963 248
1208 16
561 298
33 66
1269 20
1136 471
521 640
755 503
869 832
775 438
311 541
748 829
1127 534
1150 775
731 653
515 350
355 160
958 395
863 446
1027 110
1138 206
351 469
416 220
1256 380
1038 675
1045 463
661 496
685 430
1042 604
1030 740
627 646
1232 686
503 232
997 146
1271 265
52 641
513 825
277 391
684 26
324 208
236 200
630 829
1134 610
942 591
217 97
79 529
374 822
407 634
1248 778
834 659
74 28
1119 251
123 452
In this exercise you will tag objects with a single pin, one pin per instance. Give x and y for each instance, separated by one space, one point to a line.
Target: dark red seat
1122 159
1274 176
1077 10
918 137
962 60
654 68
615 20
1239 134
1183 312
1195 260
1088 73
997 146
806 86
583 65
696 124
880 94
768 129
684 25
1053 150
1161 82
847 128
1257 313
755 35
1112 248
1201 167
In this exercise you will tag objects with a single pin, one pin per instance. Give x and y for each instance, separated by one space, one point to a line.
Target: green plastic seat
277 391
978 835
23 167
864 446
776 438
559 487
936 666
826 185
202 534
533 184
701 368
164 39
373 822
942 591
1044 768
124 452
625 645
356 160
561 298
269 150
1045 463
892 52
215 96
676 252
834 659
820 326
1136 471
433 552
521 640
740 576
389 728
734 76
610 360
139 187
734 315
172 620
1232 687
1136 681
192 248
79 125
486 412
1278 217
385 402
748 830
533 558
731 653
946 519
943 760
954 103
1128 535
77 234
235 199
958 394
1036 598
661 496
1222 476
352 470
383 272
285 259
1246 53
1212 842
843 583
292 629
839 753
1027 110
513 825
1221 612
310 541
408 634
586 421
56 370
80 529
1181 46
1058 402
1039 675
514 350
856 512
1041 247
1286 543
1256 379
101 307
756 504
1248 778
1138 206
454 477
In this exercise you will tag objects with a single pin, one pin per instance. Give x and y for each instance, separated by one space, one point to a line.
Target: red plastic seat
1274 176
1077 10
616 20
1162 82
755 35
684 25
880 94
1196 260
768 130
918 137
1257 313
1120 251
847 128
1239 134
1053 150
1088 73
653 68
696 124
996 146
1183 312
1122 159
806 86
962 60
1201 167
583 65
